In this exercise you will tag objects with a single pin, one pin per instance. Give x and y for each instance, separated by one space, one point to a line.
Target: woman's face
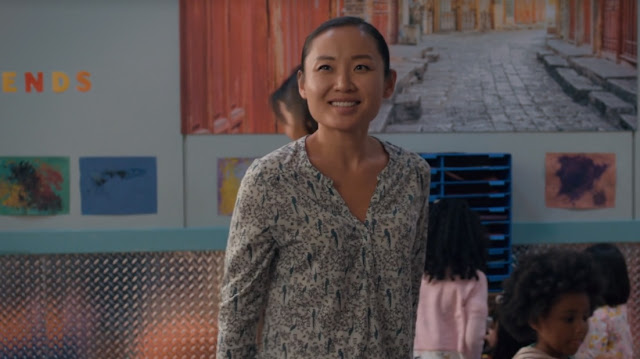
561 332
343 79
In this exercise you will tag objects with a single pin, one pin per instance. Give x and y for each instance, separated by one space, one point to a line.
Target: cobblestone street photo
510 80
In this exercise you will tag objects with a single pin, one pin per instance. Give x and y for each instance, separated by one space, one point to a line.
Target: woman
328 233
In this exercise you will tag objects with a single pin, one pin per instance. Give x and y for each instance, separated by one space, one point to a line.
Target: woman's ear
301 84
389 83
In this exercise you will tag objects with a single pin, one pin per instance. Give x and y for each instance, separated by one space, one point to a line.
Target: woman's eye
324 67
362 67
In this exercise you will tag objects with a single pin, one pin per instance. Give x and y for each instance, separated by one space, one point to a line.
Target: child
291 110
453 309
609 332
323 240
548 300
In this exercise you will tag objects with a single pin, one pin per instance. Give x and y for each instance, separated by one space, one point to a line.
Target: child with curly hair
547 302
609 333
453 307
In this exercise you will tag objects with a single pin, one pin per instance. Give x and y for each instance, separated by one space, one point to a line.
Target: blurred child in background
453 309
609 334
291 109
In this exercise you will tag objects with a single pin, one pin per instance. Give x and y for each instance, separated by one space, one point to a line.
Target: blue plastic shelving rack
484 180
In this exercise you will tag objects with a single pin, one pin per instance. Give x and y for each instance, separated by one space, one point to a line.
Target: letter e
8 81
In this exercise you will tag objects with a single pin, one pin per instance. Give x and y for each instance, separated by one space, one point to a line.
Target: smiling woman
321 242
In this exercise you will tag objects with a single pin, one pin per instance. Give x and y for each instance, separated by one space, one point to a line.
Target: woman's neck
345 149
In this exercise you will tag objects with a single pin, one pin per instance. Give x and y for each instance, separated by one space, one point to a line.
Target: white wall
131 49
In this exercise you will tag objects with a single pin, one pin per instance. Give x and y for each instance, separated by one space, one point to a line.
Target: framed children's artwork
230 173
118 185
580 180
34 186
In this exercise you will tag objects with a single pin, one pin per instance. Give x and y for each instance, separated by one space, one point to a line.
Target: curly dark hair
538 282
456 242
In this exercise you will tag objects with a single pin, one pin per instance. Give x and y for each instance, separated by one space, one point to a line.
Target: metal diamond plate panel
631 253
139 305
134 305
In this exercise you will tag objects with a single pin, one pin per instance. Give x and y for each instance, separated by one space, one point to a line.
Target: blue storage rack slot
484 180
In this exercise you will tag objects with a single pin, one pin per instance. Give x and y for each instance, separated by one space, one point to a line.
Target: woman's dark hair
538 282
289 95
364 26
613 268
456 241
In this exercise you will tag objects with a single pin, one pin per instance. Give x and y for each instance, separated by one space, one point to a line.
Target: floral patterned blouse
330 285
609 333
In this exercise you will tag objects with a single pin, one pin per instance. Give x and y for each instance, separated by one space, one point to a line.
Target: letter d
59 81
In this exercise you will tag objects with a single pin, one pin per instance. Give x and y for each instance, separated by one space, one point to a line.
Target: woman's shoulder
405 156
277 160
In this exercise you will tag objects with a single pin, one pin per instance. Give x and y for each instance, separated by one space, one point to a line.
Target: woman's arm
248 258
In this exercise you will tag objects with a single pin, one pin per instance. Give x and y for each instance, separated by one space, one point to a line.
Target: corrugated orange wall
234 53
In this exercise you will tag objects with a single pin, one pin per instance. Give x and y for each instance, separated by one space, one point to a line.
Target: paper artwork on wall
230 173
34 186
118 185
580 180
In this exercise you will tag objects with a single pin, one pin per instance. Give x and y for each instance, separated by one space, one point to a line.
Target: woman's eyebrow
354 57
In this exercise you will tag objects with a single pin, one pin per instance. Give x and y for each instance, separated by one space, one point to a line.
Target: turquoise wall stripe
576 232
100 241
215 238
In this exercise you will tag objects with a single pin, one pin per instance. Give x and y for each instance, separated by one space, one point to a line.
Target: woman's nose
344 81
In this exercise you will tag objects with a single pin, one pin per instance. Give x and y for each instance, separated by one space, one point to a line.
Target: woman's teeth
343 104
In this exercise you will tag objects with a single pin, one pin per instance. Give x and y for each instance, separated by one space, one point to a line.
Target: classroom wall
132 53
131 50
528 168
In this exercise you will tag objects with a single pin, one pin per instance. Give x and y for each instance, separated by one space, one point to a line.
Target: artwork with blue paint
118 185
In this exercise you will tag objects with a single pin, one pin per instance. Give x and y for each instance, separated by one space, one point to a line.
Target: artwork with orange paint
580 180
34 185
230 173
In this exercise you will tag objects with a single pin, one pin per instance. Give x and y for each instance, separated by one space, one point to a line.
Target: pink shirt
452 316
609 333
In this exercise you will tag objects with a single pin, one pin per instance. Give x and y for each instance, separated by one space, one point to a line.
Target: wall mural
475 66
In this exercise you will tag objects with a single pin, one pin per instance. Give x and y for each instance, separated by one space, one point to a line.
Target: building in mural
609 27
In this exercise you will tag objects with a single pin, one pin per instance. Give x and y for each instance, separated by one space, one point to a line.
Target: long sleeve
420 247
248 258
423 172
477 311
